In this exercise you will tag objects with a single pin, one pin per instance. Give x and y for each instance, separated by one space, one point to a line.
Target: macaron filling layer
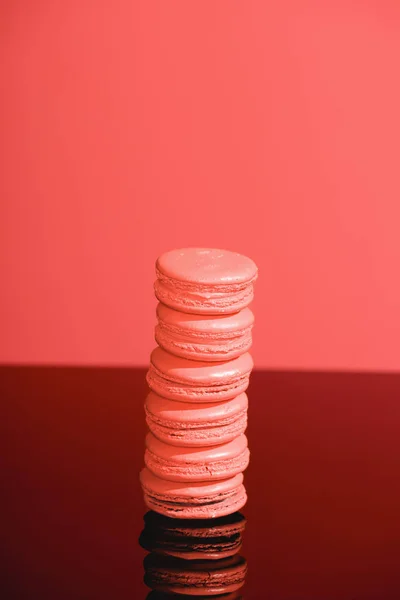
207 301
203 287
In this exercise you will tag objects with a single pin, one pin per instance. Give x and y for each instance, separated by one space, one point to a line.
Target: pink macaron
205 280
197 381
197 500
204 337
188 424
175 463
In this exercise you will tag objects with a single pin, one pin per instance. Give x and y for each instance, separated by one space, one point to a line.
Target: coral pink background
270 128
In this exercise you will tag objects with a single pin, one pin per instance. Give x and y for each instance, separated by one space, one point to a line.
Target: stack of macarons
196 411
193 556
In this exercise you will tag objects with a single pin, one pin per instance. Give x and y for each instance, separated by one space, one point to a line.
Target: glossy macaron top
207 454
202 324
193 372
206 266
198 489
185 412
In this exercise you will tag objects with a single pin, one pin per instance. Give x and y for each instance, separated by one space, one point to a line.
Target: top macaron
204 280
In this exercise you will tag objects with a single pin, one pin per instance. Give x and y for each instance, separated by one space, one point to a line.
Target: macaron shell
187 393
187 456
206 327
198 373
185 413
196 464
203 303
207 266
188 491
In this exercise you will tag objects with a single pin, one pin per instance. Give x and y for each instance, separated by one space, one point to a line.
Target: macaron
193 539
176 463
203 337
197 500
188 424
194 578
205 280
186 380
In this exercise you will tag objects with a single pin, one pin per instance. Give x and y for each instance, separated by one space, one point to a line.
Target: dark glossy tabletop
323 515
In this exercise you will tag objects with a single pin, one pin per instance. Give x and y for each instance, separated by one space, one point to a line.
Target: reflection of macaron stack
194 557
172 575
155 595
196 411
193 539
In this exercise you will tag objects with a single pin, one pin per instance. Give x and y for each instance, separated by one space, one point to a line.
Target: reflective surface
324 494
